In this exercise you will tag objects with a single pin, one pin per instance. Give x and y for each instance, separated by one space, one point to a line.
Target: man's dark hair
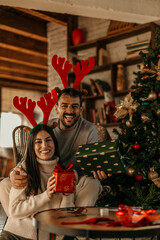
72 92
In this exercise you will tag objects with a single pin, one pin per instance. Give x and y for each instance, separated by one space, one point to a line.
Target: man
71 132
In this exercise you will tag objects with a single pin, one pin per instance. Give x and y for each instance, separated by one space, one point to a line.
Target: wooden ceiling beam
22 79
22 58
23 26
22 50
21 75
25 86
23 43
20 68
41 16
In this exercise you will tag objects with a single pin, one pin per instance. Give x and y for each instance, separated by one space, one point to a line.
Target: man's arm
18 178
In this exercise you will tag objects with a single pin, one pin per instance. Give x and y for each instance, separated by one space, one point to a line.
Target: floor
2 217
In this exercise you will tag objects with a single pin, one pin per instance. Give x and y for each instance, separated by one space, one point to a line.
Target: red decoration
27 106
136 147
158 95
64 178
138 177
158 56
131 218
81 69
123 121
77 36
122 208
145 67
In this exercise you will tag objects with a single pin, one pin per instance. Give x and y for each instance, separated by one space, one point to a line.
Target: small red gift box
64 178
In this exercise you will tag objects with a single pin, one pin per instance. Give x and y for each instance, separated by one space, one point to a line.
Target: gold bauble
152 96
152 174
145 118
130 171
129 124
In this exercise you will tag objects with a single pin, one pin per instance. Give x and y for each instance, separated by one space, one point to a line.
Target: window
8 122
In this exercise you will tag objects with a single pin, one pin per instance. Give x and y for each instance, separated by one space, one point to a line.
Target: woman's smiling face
44 146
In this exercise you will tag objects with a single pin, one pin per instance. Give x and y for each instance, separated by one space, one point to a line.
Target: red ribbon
59 168
109 222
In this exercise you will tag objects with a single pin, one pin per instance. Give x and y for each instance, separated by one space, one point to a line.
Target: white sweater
22 207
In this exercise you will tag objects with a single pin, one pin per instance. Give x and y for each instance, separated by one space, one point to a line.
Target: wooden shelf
110 124
116 94
94 97
112 67
113 38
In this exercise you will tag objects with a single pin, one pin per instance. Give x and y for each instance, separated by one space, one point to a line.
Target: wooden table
51 221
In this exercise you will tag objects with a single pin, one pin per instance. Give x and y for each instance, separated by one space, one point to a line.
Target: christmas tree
139 137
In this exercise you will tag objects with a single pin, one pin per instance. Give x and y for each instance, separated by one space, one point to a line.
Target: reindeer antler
46 108
21 105
80 74
63 72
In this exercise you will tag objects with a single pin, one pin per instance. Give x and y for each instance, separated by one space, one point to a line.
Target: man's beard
74 122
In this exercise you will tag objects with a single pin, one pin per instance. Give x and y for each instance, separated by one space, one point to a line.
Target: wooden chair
20 139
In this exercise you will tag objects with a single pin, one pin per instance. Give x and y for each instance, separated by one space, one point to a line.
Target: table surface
51 221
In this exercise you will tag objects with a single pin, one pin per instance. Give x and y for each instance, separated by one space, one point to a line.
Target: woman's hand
51 186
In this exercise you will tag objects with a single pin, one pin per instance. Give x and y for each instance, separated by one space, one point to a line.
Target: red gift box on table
64 178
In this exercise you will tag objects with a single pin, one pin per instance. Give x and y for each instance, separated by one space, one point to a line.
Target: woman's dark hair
34 181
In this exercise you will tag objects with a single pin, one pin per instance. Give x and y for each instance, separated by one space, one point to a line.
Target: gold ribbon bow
127 106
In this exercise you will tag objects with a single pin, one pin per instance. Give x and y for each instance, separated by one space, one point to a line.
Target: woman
41 157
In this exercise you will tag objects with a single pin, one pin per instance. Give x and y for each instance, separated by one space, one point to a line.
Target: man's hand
99 175
50 186
18 178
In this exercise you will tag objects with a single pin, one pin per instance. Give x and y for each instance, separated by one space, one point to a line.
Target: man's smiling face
69 111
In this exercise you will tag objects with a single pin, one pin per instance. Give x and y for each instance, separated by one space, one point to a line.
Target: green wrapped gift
104 156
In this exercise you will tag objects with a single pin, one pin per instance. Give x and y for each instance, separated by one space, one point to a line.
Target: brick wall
57 44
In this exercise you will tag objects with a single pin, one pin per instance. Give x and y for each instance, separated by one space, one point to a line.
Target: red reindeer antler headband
80 69
46 104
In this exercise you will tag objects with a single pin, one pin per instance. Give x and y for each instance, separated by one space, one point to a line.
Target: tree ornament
157 182
130 171
152 174
123 208
124 131
145 118
144 77
127 106
158 112
129 124
152 96
136 147
145 103
158 68
139 177
146 67
158 95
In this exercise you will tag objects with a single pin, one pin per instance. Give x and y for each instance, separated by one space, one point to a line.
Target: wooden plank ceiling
23 47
